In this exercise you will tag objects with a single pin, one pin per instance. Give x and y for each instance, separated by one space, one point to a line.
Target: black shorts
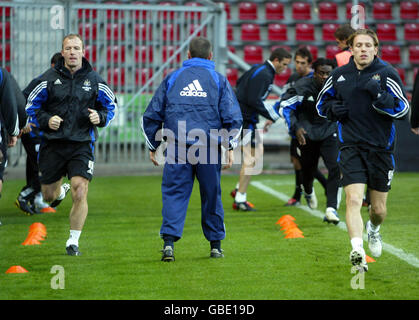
294 149
249 133
60 158
374 168
3 163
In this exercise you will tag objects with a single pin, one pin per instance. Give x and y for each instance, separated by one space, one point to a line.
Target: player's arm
8 104
390 101
259 88
36 98
328 105
152 120
230 113
105 106
289 104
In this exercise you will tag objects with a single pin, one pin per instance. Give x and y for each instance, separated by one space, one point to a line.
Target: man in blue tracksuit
193 104
365 96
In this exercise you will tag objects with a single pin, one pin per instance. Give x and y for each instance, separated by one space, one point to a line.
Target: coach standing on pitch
67 105
194 99
364 96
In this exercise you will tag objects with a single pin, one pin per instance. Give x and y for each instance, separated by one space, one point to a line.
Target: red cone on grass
16 269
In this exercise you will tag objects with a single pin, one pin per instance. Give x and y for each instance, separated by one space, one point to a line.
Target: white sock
357 243
74 238
372 227
241 197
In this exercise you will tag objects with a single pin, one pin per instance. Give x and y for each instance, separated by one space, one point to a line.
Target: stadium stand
328 11
274 11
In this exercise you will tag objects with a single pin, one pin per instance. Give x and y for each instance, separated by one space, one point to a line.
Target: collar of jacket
372 65
86 68
199 62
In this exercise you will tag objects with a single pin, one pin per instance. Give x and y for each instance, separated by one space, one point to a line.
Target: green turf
121 248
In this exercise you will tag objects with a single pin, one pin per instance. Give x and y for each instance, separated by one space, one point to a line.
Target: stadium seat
116 77
411 31
114 14
168 51
5 50
143 54
386 32
169 32
87 14
277 32
193 27
382 10
114 53
348 10
5 27
328 31
414 54
90 53
140 14
253 54
274 11
193 15
115 31
331 51
88 31
232 76
282 78
301 11
402 74
166 14
409 10
391 54
250 32
248 11
304 32
314 51
143 31
230 32
328 11
142 75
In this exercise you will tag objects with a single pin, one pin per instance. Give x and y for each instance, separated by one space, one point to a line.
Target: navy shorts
65 158
374 168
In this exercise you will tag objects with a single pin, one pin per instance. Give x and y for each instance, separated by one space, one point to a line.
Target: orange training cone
288 225
16 269
285 218
293 230
37 226
369 259
30 241
293 235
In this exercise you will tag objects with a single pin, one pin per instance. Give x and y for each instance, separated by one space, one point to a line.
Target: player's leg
378 212
295 156
310 154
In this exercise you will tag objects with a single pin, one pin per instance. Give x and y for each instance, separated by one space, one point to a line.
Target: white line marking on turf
407 257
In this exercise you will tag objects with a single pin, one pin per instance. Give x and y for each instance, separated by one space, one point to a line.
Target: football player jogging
68 103
365 96
193 102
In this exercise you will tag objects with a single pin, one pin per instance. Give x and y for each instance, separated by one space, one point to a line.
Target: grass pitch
121 248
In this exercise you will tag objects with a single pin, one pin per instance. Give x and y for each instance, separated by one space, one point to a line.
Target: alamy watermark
58 280
57 17
358 280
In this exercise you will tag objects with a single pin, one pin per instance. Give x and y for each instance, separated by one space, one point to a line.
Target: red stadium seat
248 11
87 14
253 54
409 10
411 31
88 31
114 53
331 51
169 32
328 11
168 51
230 32
250 32
143 32
193 15
391 54
274 11
304 32
282 78
115 31
5 51
143 54
166 14
140 13
90 53
402 74
301 11
314 51
116 77
328 31
232 76
277 32
114 14
386 32
382 10
414 54
142 76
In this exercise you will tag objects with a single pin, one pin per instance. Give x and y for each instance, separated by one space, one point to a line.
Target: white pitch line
407 257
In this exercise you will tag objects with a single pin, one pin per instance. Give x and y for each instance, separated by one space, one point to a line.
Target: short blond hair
72 36
367 32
